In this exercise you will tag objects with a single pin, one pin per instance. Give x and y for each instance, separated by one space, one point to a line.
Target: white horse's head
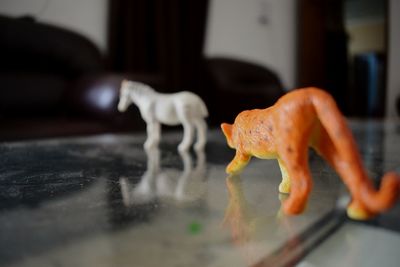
134 92
124 96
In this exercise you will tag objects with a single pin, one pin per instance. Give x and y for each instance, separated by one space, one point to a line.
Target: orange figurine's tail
365 198
382 199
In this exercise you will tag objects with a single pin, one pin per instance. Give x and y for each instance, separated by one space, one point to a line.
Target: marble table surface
103 201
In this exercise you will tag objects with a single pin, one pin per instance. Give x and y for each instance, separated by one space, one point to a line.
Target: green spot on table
195 228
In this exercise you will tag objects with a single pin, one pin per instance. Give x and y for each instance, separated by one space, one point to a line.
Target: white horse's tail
203 109
195 105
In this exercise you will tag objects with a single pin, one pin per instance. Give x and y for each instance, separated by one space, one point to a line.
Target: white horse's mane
137 88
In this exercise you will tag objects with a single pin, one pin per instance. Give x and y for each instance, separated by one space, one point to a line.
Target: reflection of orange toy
238 214
246 225
303 118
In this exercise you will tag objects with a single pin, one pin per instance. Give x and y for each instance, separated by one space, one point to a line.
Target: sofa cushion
30 94
26 45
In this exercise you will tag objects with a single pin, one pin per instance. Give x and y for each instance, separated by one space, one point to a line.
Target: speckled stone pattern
104 201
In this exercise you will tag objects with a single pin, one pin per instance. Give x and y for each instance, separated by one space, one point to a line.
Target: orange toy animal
302 118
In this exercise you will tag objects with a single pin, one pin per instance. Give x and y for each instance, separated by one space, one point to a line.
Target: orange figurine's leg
295 158
238 163
284 186
325 147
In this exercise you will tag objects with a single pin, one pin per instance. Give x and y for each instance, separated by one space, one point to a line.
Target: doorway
342 48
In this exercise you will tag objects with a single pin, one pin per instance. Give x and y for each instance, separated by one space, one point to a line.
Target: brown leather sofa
53 82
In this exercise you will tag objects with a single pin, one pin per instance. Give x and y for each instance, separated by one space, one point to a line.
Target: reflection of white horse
183 108
187 185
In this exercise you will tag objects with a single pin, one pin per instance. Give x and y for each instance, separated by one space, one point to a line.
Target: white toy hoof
183 148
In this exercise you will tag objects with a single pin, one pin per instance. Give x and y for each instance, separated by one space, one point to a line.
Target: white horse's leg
187 140
125 191
184 177
157 133
201 128
201 161
153 134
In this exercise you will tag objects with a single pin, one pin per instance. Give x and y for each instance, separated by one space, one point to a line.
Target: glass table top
104 201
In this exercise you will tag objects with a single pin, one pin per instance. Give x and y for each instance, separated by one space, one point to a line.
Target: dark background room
62 62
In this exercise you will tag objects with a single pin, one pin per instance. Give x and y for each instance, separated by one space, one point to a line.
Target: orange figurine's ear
227 130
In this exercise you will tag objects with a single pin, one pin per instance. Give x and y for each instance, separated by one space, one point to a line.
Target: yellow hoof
284 187
357 213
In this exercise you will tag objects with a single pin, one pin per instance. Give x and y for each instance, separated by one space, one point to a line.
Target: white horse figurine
183 108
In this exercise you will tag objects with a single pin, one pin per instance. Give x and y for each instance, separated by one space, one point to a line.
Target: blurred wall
393 83
260 31
88 17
